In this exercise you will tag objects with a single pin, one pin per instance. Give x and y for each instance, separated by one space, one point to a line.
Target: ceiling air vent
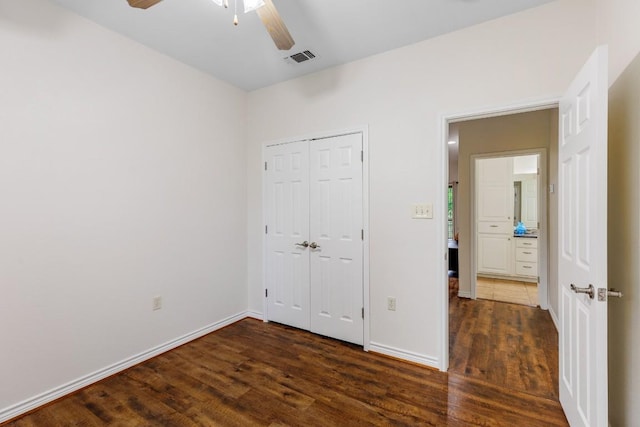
300 57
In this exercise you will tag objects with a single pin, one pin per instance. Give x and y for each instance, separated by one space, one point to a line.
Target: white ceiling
201 34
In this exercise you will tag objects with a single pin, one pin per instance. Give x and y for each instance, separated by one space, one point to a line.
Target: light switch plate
428 211
422 211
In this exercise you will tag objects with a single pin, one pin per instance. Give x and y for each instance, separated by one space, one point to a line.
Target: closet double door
314 236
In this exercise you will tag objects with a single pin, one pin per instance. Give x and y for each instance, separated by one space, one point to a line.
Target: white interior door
336 228
583 244
287 219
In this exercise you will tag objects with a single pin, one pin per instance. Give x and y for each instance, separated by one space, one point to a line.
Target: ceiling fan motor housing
143 4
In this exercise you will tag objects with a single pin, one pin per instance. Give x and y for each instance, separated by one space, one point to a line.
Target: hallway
509 345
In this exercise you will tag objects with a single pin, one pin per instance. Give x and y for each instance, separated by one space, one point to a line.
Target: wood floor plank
503 373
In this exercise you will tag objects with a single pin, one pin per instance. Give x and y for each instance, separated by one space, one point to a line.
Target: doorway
504 135
507 214
516 133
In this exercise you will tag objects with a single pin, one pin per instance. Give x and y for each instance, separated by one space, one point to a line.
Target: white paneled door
582 263
314 240
336 227
287 214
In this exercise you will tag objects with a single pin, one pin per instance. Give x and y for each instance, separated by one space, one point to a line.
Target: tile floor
512 291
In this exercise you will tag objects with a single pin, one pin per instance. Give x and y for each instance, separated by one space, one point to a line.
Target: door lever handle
604 294
304 244
614 293
589 291
314 245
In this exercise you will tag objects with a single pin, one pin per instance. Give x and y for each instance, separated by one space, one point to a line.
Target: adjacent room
243 212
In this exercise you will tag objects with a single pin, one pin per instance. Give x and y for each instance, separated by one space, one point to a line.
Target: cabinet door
530 203
494 200
494 253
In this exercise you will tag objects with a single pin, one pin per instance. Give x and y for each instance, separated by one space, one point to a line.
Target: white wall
617 26
402 95
122 177
624 252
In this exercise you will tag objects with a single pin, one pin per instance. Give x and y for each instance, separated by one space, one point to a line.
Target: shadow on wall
623 250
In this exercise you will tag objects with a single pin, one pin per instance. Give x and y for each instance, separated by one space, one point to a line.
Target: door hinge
266 229
265 165
362 233
362 156
363 312
538 225
266 293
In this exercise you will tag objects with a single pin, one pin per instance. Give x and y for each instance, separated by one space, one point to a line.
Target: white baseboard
255 315
464 294
410 356
75 385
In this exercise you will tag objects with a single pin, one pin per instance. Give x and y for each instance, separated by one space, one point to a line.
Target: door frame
364 131
443 129
543 237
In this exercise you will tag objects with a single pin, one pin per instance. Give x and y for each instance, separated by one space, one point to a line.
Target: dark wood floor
252 373
510 345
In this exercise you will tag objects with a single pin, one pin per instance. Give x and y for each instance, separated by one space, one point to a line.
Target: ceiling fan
265 9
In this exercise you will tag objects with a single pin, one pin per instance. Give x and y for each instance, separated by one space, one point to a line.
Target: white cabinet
494 253
494 179
494 210
526 257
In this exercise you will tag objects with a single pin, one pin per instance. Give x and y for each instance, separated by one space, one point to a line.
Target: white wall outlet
391 303
156 303
422 211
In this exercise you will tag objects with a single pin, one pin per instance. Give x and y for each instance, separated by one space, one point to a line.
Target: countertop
526 236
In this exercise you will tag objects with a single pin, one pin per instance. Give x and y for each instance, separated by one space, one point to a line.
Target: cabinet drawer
495 227
526 242
526 255
526 268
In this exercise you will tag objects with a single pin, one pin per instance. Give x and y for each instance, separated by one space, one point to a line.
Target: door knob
589 291
314 245
304 244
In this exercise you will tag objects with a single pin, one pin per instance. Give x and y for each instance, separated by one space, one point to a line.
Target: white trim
364 131
462 294
410 356
516 108
365 243
443 235
445 120
39 400
255 315
265 301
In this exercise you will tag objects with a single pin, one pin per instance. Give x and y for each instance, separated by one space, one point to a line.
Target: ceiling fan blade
143 4
275 26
